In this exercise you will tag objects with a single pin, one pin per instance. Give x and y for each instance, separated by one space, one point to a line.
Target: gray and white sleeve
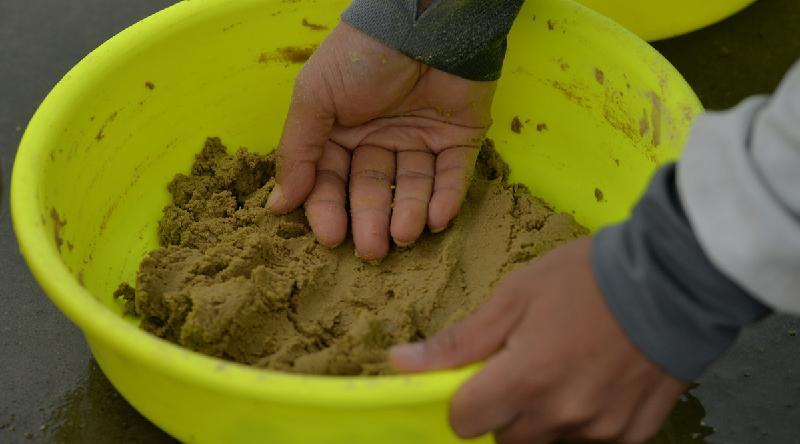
740 184
463 37
714 244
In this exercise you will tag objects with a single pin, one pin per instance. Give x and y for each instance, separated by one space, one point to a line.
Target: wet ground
52 391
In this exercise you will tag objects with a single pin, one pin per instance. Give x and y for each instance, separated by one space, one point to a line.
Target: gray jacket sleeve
715 243
740 184
463 37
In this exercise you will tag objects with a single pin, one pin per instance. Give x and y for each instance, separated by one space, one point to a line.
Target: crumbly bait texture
233 281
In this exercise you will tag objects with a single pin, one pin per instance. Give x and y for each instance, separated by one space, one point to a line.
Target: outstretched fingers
305 134
454 169
415 173
326 205
371 182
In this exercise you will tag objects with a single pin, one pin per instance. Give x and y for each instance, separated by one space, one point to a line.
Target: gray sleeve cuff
463 37
739 181
670 300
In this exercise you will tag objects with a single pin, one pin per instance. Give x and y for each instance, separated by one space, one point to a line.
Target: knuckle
410 201
330 173
543 377
411 174
456 171
531 385
319 204
376 213
446 343
572 414
371 174
294 156
608 431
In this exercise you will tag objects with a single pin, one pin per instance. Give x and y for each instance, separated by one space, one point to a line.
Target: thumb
307 129
477 337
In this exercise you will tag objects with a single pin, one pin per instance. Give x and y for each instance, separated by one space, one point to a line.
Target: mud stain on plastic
570 92
288 54
598 195
314 26
644 124
231 26
600 76
101 134
655 115
516 125
562 64
614 113
58 226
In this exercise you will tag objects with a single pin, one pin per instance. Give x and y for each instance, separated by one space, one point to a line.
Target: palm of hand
403 136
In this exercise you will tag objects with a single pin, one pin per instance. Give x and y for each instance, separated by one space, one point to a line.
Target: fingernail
438 230
274 197
402 244
408 355
368 261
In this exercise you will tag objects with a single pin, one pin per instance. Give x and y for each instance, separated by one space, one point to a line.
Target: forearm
462 37
669 298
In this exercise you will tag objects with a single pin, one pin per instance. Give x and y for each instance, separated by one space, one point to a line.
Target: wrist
671 301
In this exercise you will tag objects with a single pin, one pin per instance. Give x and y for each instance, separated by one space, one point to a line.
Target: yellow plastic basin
661 19
89 186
